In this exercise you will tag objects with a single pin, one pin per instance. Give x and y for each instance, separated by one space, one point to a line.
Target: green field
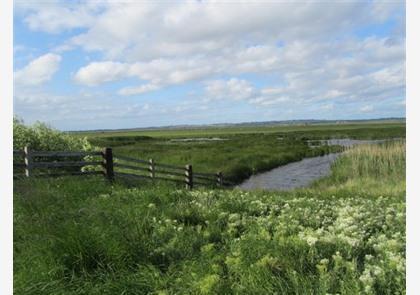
345 235
241 152
366 129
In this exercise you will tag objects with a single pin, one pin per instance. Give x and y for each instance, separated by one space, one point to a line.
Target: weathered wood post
219 179
152 168
28 161
188 177
108 163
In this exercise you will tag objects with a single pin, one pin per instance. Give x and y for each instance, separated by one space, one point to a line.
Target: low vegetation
85 236
366 130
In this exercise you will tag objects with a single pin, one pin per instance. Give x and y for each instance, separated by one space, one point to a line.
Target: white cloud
269 101
306 54
326 107
333 93
38 71
235 89
100 72
305 69
54 16
176 43
366 109
133 31
138 90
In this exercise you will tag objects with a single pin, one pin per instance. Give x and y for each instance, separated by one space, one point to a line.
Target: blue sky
124 64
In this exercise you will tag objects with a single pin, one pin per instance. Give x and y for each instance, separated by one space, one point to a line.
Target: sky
81 65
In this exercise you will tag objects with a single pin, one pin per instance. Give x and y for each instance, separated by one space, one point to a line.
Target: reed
385 161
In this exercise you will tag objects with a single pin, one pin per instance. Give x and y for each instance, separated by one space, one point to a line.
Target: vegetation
379 168
85 236
238 155
44 138
365 130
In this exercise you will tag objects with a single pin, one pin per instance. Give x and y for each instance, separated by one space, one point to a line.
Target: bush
44 138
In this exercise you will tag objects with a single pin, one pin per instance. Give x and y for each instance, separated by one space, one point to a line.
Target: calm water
292 175
301 173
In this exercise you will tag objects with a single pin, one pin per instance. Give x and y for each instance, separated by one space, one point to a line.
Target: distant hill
250 124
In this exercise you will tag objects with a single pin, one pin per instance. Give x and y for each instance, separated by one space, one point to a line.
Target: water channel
301 173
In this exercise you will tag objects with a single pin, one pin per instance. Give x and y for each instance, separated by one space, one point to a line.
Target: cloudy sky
120 64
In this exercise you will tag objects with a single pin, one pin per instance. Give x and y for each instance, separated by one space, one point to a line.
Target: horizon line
199 126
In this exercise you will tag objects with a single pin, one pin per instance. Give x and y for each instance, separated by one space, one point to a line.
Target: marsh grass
378 167
373 161
243 151
238 157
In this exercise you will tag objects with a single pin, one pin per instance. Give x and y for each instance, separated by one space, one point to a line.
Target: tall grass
379 168
374 161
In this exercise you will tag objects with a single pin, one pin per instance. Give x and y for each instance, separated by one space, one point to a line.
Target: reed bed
384 161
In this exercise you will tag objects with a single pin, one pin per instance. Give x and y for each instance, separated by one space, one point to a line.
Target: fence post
28 161
108 163
152 168
219 178
188 177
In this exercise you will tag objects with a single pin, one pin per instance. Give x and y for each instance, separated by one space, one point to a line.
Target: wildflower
311 240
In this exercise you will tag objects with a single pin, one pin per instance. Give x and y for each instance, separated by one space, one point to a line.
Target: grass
243 153
369 167
368 129
85 236
238 157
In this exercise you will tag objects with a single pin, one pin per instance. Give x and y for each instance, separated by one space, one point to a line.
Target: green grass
85 236
238 157
371 168
369 129
240 154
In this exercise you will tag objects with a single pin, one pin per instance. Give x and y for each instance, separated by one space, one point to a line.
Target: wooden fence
28 163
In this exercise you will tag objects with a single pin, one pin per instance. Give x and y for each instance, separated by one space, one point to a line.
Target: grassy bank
83 236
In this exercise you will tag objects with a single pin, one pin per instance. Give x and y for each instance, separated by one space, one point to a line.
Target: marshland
342 233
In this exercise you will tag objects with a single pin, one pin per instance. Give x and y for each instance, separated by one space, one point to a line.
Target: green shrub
41 137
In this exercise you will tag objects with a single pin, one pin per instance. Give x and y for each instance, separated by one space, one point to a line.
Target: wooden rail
29 163
46 163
